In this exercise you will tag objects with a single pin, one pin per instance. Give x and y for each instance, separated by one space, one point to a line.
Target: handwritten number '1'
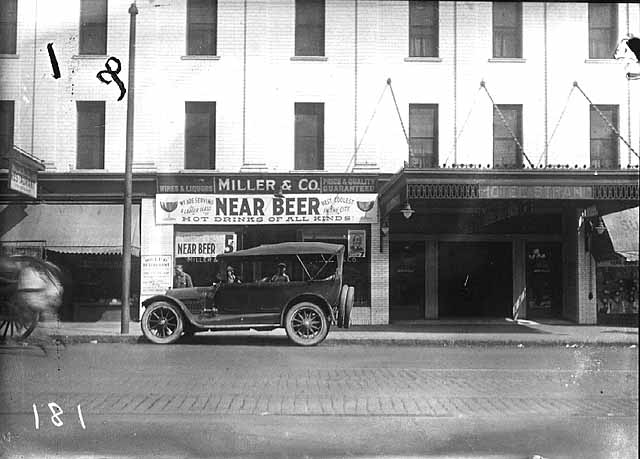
113 75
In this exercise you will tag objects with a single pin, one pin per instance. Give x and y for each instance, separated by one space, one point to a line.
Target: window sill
513 60
200 57
306 171
601 61
422 59
9 56
89 56
310 58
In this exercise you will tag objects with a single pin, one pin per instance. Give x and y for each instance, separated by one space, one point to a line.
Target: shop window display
617 292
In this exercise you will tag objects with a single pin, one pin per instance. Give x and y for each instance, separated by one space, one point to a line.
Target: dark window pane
8 26
6 125
506 152
604 151
202 25
309 136
603 30
200 135
93 27
309 28
90 146
507 30
423 29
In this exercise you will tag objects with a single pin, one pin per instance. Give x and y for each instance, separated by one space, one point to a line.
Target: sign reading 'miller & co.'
258 184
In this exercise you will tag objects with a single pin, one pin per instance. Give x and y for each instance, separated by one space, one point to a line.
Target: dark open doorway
475 279
406 280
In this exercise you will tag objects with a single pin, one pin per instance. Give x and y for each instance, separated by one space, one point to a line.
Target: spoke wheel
306 324
162 323
18 325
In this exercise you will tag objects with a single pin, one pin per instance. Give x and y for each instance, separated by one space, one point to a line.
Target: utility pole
126 224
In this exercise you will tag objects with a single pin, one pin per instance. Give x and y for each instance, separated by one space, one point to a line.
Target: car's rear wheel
306 324
341 304
162 323
348 306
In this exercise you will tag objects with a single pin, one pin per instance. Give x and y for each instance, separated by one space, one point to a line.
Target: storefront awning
623 231
69 228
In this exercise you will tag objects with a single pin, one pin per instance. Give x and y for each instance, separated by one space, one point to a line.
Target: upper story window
423 135
202 27
200 135
90 152
603 30
507 29
8 26
506 152
309 136
604 148
423 28
309 28
93 27
6 126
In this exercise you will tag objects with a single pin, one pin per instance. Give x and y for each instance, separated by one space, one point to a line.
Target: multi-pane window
202 27
506 152
603 30
604 152
423 135
200 135
423 28
6 126
309 28
8 26
309 136
507 29
93 27
90 152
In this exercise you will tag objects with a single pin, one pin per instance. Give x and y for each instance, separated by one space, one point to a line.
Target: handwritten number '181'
113 75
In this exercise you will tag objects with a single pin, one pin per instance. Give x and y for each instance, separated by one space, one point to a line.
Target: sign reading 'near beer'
174 209
254 184
204 245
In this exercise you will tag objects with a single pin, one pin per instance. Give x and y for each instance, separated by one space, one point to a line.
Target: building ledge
422 59
601 61
508 60
9 56
310 58
89 56
200 57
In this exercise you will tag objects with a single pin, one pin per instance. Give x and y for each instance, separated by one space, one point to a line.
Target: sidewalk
429 332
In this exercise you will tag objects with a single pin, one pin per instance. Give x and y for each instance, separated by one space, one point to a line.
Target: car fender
317 299
168 299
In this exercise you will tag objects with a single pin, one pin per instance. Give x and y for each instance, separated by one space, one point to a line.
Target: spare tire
342 301
346 323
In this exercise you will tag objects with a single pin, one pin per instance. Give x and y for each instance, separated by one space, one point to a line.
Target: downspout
546 89
628 99
33 80
355 87
244 86
455 82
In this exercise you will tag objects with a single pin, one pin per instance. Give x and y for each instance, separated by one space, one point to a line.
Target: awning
70 228
623 231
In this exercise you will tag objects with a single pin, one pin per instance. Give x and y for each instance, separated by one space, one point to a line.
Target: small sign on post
23 172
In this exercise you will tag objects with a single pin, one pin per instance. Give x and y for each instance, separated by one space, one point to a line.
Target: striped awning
623 230
69 228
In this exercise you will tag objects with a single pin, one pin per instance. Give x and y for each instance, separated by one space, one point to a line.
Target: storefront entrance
544 280
475 279
406 281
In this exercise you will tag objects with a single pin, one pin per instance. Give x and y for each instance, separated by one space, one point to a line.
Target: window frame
433 29
9 26
613 30
85 46
212 24
302 29
612 138
92 106
301 160
428 160
499 33
208 107
518 133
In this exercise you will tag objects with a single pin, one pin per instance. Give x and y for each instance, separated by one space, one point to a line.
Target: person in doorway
281 275
180 278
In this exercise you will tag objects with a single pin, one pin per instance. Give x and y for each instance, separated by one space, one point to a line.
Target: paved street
203 400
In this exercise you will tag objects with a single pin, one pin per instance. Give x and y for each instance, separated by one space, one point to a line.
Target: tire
342 302
162 323
18 326
306 324
348 306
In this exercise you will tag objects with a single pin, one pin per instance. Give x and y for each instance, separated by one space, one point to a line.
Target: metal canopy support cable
604 118
473 104
504 121
371 119
398 110
555 128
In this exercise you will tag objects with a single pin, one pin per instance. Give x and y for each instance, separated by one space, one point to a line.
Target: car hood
187 293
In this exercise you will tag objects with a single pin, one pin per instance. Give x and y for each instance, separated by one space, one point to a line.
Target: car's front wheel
306 324
162 323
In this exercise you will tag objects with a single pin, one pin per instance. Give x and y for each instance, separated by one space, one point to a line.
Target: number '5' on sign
56 413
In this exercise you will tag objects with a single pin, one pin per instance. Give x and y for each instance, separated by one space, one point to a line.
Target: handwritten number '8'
56 412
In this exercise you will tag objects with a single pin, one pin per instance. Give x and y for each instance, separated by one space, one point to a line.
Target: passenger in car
281 275
231 276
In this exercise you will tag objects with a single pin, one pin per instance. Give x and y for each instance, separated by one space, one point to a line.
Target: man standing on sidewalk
181 279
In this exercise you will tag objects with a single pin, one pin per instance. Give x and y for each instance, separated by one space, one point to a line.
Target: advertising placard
199 209
357 244
22 179
204 245
156 273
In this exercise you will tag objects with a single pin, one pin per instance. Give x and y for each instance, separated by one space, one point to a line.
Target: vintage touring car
306 305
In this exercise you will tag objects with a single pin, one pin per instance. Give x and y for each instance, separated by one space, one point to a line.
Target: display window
617 291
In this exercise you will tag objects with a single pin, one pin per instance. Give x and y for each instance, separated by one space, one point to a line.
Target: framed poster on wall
357 244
